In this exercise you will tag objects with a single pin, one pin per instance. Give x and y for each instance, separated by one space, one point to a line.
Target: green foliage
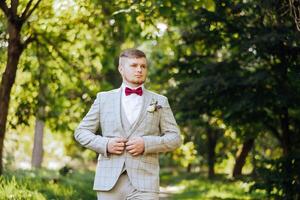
74 56
225 66
237 62
11 189
185 155
46 184
280 177
229 68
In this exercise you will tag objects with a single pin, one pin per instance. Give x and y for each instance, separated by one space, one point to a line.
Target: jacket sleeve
85 132
169 139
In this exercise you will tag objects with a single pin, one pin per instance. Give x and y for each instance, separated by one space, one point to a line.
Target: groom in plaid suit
136 125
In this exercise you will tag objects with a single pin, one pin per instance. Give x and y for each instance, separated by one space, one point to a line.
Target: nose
139 68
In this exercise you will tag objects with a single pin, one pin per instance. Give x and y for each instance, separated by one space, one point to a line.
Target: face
133 70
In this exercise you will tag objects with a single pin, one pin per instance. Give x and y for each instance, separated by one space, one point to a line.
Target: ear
120 68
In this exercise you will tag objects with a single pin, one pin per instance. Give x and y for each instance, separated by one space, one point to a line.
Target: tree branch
47 42
14 7
274 131
4 7
27 15
30 39
26 9
61 56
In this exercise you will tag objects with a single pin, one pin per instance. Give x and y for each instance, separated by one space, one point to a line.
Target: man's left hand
135 146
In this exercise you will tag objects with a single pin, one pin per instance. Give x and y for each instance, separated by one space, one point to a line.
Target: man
136 125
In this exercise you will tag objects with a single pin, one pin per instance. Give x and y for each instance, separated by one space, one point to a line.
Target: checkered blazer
158 129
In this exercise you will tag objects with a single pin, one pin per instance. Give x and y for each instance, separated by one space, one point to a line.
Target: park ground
55 185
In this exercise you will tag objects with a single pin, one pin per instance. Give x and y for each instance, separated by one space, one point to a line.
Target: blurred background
231 71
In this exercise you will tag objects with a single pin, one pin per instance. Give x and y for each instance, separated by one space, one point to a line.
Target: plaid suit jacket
158 129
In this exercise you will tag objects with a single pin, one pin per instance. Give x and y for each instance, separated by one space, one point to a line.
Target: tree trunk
241 158
189 168
254 171
15 49
212 141
286 137
37 152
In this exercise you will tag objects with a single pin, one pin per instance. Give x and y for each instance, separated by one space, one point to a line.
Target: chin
139 82
143 81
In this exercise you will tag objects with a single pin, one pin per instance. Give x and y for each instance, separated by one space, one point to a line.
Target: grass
197 186
46 184
50 185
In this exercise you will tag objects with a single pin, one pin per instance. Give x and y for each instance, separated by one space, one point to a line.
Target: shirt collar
124 85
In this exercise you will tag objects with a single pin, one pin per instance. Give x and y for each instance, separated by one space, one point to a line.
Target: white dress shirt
132 104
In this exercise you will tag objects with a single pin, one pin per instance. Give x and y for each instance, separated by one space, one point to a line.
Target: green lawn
197 186
50 185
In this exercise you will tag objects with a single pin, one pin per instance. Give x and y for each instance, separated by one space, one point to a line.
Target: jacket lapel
146 102
117 110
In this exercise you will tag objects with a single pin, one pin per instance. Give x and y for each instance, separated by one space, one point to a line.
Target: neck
131 85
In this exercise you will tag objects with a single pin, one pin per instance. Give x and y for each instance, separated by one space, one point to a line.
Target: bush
11 189
280 178
47 184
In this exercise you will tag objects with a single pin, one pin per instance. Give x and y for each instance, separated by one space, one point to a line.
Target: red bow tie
138 91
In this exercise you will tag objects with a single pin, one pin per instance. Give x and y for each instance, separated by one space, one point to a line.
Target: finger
135 154
118 143
130 142
119 148
132 151
121 144
130 147
121 140
118 152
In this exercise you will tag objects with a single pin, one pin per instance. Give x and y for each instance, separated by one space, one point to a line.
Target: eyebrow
132 64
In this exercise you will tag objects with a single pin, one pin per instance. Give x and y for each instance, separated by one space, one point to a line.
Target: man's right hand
116 145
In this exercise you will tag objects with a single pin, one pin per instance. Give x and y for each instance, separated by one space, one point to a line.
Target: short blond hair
132 53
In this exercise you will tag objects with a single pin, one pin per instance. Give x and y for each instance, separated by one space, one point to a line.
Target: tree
73 49
241 157
37 151
241 60
16 45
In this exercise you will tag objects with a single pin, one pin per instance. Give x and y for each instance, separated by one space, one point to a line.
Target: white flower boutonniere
153 106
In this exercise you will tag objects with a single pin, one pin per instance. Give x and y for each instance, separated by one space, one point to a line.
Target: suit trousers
123 190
